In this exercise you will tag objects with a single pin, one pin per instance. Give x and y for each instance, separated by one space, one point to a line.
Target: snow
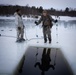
11 52
10 55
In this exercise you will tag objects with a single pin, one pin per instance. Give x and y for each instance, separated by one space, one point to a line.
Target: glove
56 21
19 28
36 22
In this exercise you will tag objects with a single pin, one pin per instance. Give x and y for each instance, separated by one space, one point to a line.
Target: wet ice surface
63 37
45 61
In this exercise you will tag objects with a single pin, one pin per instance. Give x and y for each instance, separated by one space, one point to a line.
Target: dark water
45 61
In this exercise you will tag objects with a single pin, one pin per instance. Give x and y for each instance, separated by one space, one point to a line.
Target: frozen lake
63 37
45 61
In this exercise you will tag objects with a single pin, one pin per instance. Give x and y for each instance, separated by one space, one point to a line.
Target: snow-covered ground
11 53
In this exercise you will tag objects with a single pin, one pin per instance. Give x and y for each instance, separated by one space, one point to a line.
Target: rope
37 33
7 36
16 37
25 34
55 57
36 55
57 30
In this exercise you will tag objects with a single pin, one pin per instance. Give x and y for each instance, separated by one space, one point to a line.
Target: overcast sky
57 4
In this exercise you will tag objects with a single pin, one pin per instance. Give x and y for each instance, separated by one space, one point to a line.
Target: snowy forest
27 10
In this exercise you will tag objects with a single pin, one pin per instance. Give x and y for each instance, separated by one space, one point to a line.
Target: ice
11 53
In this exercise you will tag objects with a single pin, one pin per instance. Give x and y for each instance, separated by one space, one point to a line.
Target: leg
49 50
18 35
48 54
44 52
49 35
45 38
22 34
44 33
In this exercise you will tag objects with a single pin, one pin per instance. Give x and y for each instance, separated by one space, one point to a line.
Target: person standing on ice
46 20
19 26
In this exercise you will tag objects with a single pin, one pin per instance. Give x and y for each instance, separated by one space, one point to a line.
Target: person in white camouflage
19 26
46 20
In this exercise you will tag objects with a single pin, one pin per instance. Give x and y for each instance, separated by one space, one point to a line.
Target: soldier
46 20
19 25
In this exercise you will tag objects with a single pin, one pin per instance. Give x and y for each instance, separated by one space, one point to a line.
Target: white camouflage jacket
18 21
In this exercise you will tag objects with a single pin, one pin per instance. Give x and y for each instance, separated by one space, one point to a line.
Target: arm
53 20
22 22
37 23
16 18
40 20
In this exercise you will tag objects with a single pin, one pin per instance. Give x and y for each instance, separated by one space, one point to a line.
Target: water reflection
49 61
45 65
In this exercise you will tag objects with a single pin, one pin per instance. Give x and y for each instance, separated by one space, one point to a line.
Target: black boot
49 40
45 40
22 39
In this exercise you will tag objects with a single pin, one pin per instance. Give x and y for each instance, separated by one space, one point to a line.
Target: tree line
27 10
